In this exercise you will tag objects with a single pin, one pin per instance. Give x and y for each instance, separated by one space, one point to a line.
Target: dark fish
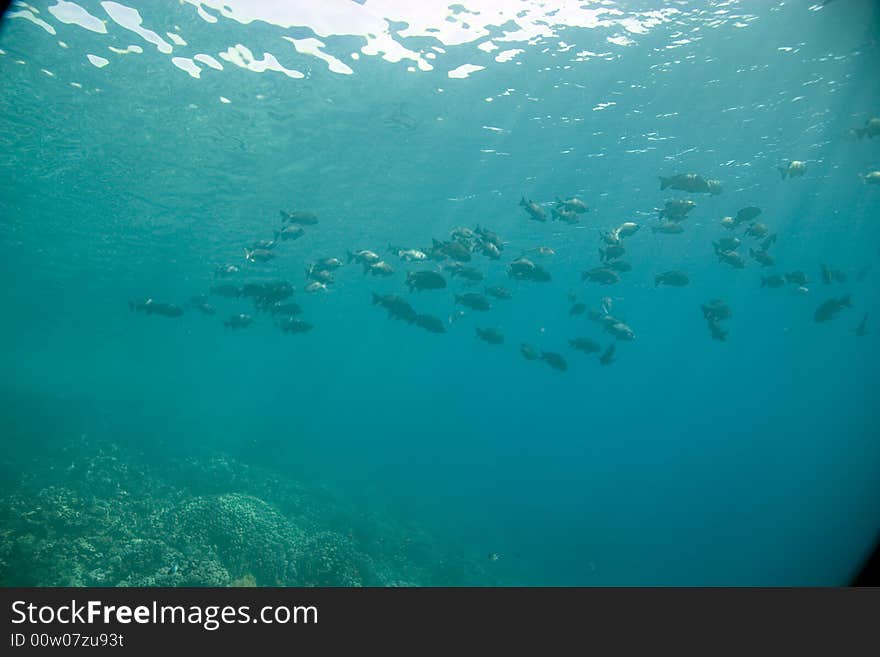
716 309
397 306
201 303
871 129
226 290
430 323
293 325
764 258
619 266
577 309
489 236
676 210
534 210
607 356
668 228
473 300
281 308
829 309
601 275
674 277
425 280
225 270
862 328
715 330
301 218
490 335
238 321
611 252
554 360
499 292
586 345
691 182
153 307
292 232
258 255
796 278
529 352
747 214
772 281
469 274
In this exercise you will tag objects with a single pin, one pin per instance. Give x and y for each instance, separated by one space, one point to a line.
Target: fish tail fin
248 255
783 171
664 183
349 256
131 305
846 300
522 201
657 279
376 299
861 132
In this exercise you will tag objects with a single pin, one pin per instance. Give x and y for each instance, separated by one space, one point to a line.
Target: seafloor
98 513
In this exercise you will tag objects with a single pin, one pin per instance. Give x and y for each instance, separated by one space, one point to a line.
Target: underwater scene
485 293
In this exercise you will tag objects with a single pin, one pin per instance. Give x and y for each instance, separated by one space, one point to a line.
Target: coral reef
99 514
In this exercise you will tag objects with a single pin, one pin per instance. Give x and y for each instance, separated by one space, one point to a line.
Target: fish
380 268
292 232
554 360
430 323
572 205
732 258
535 212
397 306
744 215
577 309
425 280
201 303
586 345
761 256
364 257
676 210
498 291
668 228
673 277
611 252
258 255
474 301
601 275
794 169
828 310
862 328
226 290
529 352
607 356
796 277
299 217
626 229
871 128
490 335
293 325
621 331
153 307
238 321
691 182
715 330
717 310
772 281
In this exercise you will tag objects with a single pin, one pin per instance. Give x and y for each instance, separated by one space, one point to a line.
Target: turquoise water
143 449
